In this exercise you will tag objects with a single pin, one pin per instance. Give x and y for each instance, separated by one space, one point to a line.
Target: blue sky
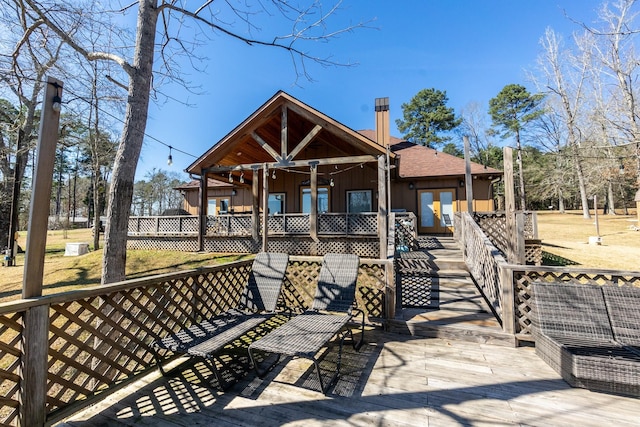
469 48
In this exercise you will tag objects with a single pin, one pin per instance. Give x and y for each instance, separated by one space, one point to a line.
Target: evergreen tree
510 111
426 116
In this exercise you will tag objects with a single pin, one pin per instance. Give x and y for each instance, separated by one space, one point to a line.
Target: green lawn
67 273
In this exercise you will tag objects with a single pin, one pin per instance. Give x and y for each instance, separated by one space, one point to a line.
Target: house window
216 206
323 200
359 201
276 203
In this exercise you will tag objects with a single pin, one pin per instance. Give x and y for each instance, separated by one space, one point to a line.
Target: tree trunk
560 199
121 189
523 198
610 199
584 200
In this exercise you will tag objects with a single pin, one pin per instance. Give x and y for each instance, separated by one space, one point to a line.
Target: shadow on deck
394 380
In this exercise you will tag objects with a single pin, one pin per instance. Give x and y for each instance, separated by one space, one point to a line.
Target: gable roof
211 183
309 133
419 161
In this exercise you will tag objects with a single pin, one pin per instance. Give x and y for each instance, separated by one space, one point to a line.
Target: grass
68 273
565 238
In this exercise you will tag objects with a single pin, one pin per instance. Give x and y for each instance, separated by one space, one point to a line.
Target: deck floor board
396 380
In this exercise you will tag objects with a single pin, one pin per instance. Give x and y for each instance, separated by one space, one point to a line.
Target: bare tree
564 77
475 124
28 54
308 23
614 45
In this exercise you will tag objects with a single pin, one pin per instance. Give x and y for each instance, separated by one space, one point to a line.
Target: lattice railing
229 225
225 225
365 224
405 231
10 361
494 224
483 261
289 224
523 277
99 338
163 225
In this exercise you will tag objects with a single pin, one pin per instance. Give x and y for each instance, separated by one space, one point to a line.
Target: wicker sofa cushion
571 310
623 304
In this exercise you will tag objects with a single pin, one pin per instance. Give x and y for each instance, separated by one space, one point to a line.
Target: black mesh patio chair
258 304
333 307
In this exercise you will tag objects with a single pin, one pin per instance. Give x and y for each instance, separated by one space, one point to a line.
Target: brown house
287 154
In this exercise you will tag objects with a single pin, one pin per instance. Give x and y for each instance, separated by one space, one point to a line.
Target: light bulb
170 160
273 175
57 104
331 183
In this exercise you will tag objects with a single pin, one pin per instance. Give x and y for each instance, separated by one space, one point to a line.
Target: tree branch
90 56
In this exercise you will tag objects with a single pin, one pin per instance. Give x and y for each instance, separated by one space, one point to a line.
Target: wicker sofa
589 334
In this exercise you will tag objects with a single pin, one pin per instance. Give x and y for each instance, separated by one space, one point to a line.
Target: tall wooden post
509 206
265 208
467 175
382 206
40 197
255 206
33 387
313 215
202 209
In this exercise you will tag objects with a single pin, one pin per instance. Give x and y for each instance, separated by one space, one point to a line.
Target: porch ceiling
306 135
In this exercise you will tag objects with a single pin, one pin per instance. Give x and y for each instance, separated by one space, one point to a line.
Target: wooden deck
395 380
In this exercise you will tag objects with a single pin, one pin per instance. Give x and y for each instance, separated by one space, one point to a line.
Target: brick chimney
383 133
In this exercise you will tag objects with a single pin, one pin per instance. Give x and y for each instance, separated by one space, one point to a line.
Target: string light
170 159
230 177
57 100
273 175
331 183
241 177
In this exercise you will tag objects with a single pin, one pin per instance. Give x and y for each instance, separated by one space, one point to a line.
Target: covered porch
297 175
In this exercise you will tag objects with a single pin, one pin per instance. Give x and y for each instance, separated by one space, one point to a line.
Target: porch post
265 207
255 206
313 217
467 175
382 206
202 210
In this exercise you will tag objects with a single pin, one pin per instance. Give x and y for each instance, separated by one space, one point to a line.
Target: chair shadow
356 367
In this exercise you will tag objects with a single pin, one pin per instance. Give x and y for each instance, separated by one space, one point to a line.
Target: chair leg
254 362
222 384
357 345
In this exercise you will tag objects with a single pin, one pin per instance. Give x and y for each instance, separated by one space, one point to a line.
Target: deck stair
437 297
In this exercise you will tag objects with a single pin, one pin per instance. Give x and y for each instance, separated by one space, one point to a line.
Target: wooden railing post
265 208
382 206
202 209
390 309
313 214
507 298
33 385
519 235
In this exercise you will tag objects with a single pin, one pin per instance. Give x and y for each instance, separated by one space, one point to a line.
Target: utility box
76 249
